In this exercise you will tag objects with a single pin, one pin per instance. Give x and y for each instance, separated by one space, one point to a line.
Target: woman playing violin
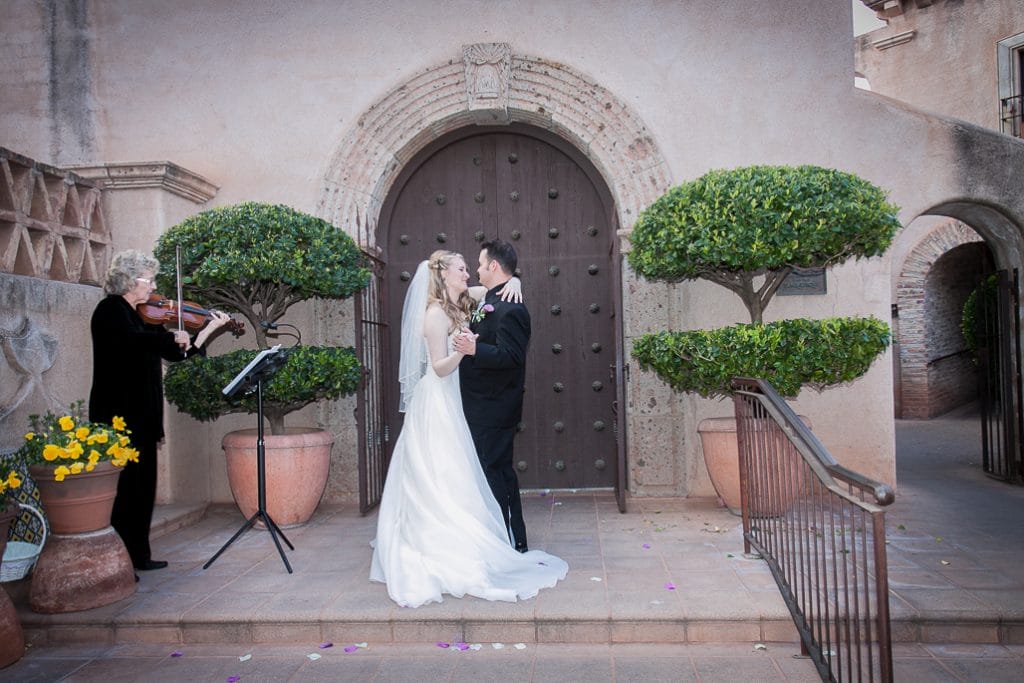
127 382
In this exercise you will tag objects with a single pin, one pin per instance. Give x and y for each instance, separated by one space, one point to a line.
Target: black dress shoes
151 564
522 549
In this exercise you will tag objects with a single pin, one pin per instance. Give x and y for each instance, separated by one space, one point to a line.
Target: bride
439 528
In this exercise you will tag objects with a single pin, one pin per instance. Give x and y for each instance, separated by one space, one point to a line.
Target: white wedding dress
439 529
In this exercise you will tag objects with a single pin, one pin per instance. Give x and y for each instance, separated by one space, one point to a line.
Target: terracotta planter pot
82 502
722 458
81 571
297 464
12 638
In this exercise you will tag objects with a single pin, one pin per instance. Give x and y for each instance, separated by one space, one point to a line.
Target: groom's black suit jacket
492 380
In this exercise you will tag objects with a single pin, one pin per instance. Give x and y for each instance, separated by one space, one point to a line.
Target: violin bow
177 274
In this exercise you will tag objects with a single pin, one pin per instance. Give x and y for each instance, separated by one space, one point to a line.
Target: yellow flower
94 457
3 485
30 436
77 467
90 467
66 423
123 441
50 452
82 433
74 450
13 480
118 423
114 451
100 437
60 473
131 454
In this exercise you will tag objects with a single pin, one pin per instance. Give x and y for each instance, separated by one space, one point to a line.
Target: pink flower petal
324 646
670 586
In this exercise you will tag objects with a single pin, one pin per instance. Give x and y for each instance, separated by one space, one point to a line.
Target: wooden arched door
532 189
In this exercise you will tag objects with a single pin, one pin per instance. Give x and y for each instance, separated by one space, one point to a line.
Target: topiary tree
258 260
746 229
731 227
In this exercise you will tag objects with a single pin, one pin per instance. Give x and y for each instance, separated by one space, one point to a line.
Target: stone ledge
146 174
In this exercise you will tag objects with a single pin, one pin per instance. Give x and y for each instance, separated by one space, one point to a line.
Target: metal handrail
821 529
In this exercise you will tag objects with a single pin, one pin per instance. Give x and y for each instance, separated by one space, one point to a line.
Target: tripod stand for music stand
261 368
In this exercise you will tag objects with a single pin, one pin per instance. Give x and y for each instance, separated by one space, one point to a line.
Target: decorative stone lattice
489 85
51 223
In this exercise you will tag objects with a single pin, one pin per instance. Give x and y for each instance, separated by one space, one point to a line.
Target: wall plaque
803 281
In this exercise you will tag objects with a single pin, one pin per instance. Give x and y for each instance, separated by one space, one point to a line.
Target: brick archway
490 85
928 387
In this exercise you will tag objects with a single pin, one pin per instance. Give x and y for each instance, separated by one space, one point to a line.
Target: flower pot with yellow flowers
76 465
12 638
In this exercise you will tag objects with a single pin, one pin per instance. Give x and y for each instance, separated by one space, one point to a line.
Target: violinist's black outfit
128 382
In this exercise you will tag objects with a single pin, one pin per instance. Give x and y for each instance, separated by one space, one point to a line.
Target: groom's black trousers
494 448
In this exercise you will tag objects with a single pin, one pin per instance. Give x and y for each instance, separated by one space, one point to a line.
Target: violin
159 310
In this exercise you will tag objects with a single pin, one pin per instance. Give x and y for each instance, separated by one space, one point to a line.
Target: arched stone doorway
946 262
490 85
935 373
530 188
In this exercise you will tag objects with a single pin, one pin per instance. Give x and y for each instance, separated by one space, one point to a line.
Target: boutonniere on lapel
479 313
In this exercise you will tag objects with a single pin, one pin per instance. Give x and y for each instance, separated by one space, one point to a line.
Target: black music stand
252 376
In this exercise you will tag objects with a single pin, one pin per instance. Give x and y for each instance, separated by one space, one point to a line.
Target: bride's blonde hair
457 311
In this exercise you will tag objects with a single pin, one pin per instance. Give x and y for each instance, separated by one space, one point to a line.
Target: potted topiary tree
746 229
257 260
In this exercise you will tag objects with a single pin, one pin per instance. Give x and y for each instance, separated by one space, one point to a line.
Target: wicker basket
19 556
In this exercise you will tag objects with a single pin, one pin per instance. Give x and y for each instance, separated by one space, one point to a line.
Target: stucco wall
949 64
259 97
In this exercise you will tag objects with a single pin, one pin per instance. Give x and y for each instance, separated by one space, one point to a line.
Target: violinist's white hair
125 267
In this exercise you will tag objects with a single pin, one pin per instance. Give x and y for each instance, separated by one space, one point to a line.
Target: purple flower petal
324 646
647 546
177 653
233 679
351 648
462 646
670 586
444 645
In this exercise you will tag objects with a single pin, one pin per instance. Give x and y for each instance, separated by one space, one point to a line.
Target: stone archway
489 85
931 381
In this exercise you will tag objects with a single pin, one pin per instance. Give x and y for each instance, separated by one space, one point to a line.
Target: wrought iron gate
997 327
373 397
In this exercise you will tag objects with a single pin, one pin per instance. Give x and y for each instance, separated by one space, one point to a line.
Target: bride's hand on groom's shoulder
512 291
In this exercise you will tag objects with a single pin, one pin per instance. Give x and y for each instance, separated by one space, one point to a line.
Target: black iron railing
821 529
1010 115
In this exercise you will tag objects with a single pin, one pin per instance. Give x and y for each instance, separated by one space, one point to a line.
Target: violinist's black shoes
151 564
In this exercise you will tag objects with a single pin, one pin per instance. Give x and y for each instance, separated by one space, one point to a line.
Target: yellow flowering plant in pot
76 465
71 445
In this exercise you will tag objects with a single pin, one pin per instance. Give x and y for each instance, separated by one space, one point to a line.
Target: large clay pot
296 464
722 458
82 502
77 572
12 638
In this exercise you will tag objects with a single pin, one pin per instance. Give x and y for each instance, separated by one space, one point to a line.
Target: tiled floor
669 573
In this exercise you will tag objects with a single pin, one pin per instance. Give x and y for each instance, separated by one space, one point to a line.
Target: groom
491 377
